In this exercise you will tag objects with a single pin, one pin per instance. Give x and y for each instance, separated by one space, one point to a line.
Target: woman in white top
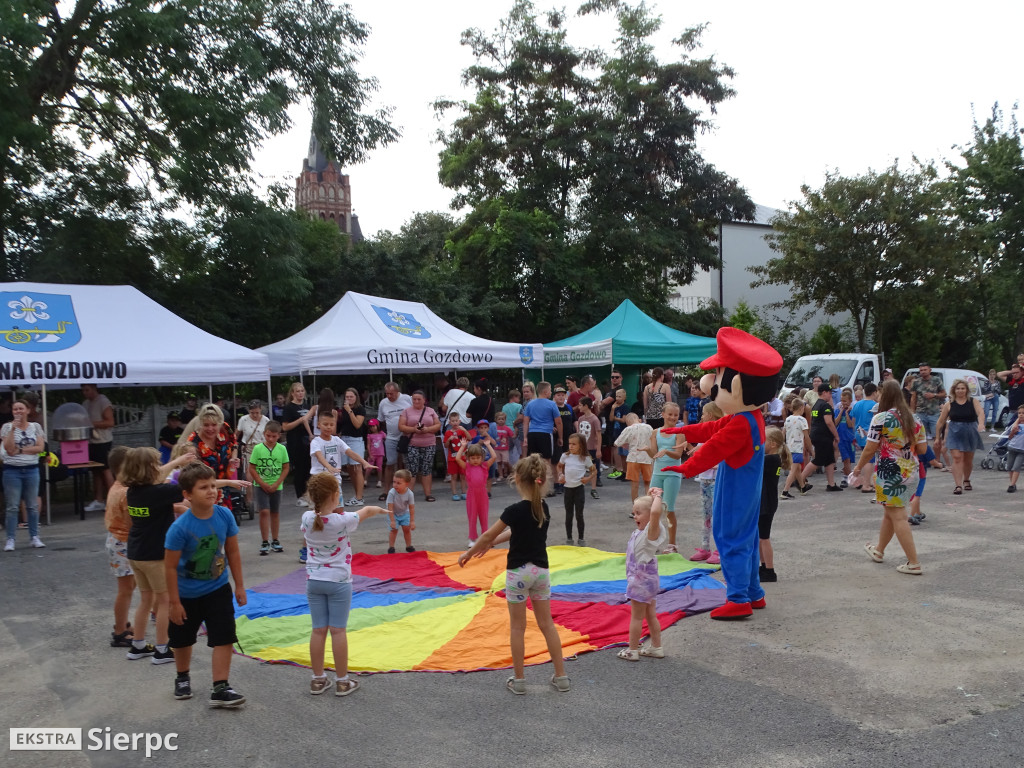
21 442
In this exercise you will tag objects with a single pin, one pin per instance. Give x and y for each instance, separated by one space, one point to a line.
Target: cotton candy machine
72 428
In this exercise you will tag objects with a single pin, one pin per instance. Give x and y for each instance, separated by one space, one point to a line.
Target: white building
742 244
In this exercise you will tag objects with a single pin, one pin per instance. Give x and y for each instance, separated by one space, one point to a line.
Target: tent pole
209 392
270 400
46 466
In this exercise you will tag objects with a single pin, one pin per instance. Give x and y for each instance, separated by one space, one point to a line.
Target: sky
820 87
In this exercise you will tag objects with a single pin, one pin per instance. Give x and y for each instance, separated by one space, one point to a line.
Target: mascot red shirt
746 373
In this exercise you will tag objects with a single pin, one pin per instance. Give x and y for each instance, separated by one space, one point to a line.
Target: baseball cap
373 423
559 389
484 422
174 415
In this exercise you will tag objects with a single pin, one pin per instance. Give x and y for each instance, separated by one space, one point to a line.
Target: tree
918 340
986 198
172 95
858 244
581 170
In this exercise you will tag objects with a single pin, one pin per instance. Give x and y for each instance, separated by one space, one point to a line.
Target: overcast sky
819 86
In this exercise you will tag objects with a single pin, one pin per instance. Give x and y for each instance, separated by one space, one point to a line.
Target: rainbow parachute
422 612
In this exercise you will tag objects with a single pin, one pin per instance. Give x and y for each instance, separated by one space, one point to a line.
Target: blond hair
775 435
530 476
321 488
141 466
711 412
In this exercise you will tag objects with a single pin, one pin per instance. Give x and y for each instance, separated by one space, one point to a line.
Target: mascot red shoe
746 376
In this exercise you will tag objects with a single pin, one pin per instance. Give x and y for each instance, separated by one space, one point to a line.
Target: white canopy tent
63 336
366 334
67 335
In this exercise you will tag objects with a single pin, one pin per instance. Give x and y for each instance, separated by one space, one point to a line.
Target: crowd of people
172 533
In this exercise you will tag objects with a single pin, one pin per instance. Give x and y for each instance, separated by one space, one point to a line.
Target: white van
852 367
977 384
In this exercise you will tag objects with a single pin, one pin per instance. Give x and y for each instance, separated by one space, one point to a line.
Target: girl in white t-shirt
798 441
329 579
575 469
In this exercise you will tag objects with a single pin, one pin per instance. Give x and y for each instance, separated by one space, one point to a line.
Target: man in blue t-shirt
540 419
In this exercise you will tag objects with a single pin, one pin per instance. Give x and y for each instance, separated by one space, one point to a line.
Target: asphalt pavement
851 664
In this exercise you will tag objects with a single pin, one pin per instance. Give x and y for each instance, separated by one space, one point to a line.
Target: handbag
405 439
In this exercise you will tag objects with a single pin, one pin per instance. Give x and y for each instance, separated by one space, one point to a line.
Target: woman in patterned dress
897 440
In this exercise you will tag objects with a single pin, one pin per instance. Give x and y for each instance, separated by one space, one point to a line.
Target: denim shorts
329 602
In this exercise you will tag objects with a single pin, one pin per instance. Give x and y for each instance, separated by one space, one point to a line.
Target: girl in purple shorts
642 576
524 525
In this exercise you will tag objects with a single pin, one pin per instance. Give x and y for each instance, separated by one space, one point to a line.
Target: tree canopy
580 167
118 112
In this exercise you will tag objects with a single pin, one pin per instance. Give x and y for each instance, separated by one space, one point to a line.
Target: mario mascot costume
746 373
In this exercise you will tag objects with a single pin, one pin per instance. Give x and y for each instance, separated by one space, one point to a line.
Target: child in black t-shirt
527 576
776 461
151 506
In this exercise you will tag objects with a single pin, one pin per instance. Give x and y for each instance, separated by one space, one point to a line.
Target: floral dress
217 458
896 464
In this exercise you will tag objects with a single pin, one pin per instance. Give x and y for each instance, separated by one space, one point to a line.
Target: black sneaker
275 546
787 495
767 575
1012 489
182 688
223 695
599 483
140 653
163 657
806 488
833 488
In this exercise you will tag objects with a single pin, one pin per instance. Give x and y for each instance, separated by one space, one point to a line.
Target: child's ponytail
531 474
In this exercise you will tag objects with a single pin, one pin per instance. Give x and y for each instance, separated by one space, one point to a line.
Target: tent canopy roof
66 335
638 339
369 334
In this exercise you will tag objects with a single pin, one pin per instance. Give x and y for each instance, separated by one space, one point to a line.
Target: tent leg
270 400
209 393
46 467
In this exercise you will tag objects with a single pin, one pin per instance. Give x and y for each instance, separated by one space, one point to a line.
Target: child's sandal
653 652
629 654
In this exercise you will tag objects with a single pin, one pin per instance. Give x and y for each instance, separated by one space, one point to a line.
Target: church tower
323 191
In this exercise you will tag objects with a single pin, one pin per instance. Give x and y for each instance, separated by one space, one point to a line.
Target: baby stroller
239 505
996 456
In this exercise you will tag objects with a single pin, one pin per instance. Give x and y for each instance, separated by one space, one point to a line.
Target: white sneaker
353 502
95 506
37 543
470 544
301 503
378 484
10 546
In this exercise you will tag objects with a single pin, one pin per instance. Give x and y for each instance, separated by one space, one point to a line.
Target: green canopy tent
638 339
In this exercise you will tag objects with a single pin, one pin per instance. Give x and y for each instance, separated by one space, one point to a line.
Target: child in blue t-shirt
200 548
693 405
844 426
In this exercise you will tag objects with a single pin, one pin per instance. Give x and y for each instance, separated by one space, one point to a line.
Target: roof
65 335
371 334
638 339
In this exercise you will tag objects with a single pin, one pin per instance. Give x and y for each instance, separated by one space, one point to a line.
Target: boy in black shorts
200 548
824 438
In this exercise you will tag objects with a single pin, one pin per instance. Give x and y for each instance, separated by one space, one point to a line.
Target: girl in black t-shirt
527 576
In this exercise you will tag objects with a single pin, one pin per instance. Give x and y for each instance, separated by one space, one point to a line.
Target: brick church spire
323 191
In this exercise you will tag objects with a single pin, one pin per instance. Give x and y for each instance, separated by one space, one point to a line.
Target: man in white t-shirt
458 399
388 412
101 413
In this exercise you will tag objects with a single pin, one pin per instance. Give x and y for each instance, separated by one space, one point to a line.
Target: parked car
852 367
